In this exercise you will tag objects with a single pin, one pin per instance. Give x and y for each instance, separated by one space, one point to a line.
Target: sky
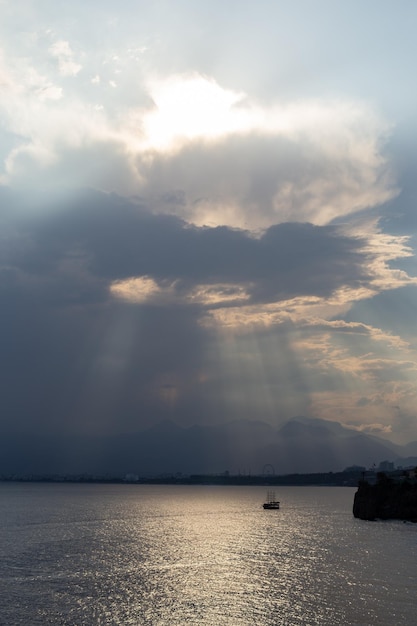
207 213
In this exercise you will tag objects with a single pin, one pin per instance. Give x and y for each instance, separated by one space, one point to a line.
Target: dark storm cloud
74 252
75 359
95 366
71 356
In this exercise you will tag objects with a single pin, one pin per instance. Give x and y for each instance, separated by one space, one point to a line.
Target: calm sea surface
81 555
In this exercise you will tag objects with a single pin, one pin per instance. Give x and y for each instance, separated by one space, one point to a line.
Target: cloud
137 314
61 50
75 358
233 162
298 273
260 180
302 161
229 257
373 429
122 240
192 107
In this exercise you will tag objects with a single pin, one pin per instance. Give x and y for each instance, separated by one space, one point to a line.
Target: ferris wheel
268 470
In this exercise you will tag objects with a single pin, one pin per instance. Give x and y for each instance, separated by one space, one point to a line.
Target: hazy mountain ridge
301 445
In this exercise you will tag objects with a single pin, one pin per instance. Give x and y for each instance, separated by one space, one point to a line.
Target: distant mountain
410 448
304 443
301 445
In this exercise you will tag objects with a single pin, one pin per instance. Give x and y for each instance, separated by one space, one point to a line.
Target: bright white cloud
61 50
189 108
251 166
236 162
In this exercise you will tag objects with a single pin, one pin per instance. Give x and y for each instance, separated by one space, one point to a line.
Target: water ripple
79 555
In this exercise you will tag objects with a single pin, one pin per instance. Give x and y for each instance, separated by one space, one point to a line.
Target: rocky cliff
386 500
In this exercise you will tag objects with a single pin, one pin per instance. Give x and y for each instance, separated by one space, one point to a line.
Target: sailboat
271 501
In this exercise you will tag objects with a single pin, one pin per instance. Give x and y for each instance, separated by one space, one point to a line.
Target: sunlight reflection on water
94 554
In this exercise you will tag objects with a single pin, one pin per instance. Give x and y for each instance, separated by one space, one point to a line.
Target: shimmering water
79 555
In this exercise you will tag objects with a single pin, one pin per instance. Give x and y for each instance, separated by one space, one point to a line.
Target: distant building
131 478
386 466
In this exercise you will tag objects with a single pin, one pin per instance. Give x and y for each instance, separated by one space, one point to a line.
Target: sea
127 554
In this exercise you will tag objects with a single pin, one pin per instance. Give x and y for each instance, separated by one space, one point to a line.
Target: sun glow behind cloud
309 160
235 160
188 108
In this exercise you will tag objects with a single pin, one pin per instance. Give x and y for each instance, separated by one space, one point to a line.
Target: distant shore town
350 477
